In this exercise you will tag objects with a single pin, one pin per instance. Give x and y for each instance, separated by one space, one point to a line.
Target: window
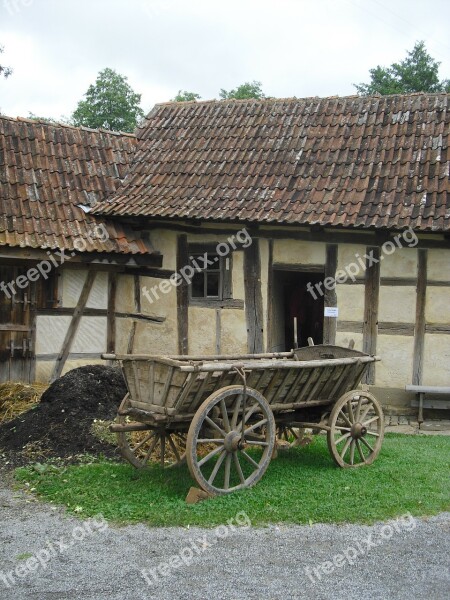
212 279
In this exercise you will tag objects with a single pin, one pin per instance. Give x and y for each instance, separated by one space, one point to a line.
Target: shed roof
47 171
364 162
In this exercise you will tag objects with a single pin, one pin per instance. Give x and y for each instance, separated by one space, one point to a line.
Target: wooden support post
270 298
218 330
137 310
371 301
182 297
419 330
253 298
73 327
111 316
330 323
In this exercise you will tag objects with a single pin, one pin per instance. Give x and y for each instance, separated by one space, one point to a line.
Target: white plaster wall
401 263
438 265
234 331
72 282
125 294
437 305
395 368
90 336
202 330
165 242
350 301
397 304
298 252
343 339
436 367
50 333
348 255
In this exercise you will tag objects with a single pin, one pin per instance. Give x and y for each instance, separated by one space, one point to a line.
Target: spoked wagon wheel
356 429
243 442
144 446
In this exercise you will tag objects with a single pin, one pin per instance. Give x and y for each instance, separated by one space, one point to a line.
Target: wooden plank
110 318
371 301
71 356
330 298
270 297
253 298
215 303
350 326
327 235
182 297
392 328
419 337
437 328
428 389
73 327
218 330
308 268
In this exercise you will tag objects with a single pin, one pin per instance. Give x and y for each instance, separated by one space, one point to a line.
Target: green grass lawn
300 486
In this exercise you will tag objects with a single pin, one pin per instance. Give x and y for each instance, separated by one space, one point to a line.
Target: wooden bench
422 402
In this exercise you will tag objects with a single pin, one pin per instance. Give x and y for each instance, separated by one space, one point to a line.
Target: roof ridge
67 125
296 99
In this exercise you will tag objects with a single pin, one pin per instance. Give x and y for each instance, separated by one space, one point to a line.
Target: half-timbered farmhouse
240 226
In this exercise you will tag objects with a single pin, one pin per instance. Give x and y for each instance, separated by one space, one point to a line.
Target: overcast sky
294 47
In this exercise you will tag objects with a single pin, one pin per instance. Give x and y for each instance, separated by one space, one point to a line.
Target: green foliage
246 90
418 72
301 486
5 71
184 96
110 104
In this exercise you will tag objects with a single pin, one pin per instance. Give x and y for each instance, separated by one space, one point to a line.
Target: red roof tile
46 171
379 162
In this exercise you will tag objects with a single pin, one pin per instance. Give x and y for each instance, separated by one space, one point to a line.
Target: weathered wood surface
419 336
173 387
371 301
253 298
182 296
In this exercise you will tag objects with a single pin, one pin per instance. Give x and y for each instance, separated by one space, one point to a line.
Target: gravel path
88 560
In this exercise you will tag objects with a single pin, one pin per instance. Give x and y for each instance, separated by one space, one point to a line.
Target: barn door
17 324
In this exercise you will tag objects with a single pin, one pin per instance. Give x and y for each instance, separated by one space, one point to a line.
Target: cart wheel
238 461
356 429
141 447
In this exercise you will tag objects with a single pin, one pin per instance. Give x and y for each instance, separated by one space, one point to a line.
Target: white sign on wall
331 311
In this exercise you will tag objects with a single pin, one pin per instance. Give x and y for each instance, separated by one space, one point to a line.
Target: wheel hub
232 441
358 430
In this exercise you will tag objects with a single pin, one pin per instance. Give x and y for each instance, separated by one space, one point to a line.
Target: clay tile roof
375 162
46 171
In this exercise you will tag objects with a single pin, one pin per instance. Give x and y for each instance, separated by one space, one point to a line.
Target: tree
5 71
418 72
184 96
246 90
110 103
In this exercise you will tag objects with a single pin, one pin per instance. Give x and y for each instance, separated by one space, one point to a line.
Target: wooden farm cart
223 413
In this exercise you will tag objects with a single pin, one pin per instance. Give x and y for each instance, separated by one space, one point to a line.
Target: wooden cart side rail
278 364
183 358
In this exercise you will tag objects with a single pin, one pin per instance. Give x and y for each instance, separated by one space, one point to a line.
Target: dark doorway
296 315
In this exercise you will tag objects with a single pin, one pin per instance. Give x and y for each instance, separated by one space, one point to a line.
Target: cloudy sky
294 47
